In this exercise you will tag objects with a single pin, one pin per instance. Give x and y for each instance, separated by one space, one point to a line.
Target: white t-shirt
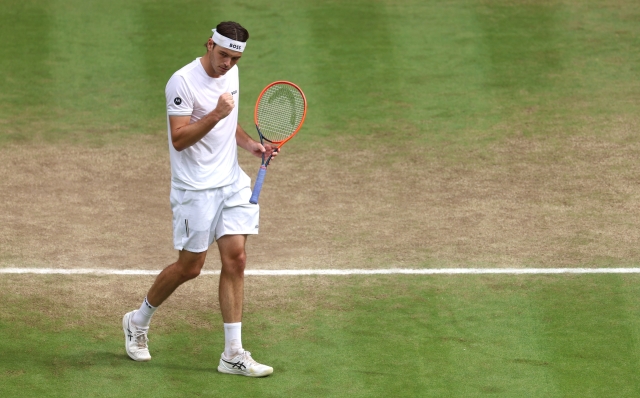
212 162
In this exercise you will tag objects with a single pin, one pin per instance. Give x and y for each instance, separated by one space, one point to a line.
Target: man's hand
225 106
258 149
270 150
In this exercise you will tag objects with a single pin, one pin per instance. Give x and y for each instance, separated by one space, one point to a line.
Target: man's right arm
184 134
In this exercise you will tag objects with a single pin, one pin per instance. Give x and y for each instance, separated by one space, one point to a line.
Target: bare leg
231 289
231 294
135 324
186 268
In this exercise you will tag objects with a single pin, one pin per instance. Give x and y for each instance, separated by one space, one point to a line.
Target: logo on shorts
177 100
256 226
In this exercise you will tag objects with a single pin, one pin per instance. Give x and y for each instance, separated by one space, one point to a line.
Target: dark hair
232 30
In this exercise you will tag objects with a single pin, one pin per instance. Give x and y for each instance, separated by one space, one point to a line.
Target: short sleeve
179 97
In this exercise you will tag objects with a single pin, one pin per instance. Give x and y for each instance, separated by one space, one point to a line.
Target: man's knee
190 273
235 262
240 261
190 266
232 254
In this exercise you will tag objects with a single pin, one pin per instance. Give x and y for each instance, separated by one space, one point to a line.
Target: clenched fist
225 105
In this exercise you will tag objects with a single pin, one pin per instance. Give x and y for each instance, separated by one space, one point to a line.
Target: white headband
227 42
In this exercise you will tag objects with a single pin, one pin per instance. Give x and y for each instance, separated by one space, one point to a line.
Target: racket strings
280 112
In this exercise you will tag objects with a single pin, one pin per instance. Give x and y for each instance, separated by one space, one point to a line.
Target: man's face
222 59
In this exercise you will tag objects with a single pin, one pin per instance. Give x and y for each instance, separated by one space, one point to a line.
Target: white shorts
200 217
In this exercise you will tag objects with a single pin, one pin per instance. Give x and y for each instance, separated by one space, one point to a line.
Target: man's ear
209 44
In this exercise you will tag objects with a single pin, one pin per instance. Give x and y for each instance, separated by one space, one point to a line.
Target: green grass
462 72
443 336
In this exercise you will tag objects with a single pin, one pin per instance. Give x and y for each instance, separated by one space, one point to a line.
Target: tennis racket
280 112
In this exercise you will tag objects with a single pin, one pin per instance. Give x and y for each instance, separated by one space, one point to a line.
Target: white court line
291 272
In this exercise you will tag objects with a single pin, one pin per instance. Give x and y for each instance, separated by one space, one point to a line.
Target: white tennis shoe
135 339
243 364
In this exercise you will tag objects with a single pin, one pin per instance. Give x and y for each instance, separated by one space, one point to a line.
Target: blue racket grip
258 187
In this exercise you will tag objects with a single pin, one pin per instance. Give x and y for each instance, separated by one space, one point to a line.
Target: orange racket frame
263 168
304 114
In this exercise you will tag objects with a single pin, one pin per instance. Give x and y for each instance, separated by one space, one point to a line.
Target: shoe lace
141 338
246 356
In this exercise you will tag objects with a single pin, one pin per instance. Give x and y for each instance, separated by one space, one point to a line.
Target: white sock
142 317
232 339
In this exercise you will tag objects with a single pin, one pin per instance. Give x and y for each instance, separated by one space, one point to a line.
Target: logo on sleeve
177 100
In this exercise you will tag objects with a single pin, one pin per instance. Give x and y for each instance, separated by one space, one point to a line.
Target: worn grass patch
525 201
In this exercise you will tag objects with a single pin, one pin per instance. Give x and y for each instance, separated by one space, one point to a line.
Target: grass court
458 134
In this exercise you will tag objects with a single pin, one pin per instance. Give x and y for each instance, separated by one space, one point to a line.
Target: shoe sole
125 328
222 369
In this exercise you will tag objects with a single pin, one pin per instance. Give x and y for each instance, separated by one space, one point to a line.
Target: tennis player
209 193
